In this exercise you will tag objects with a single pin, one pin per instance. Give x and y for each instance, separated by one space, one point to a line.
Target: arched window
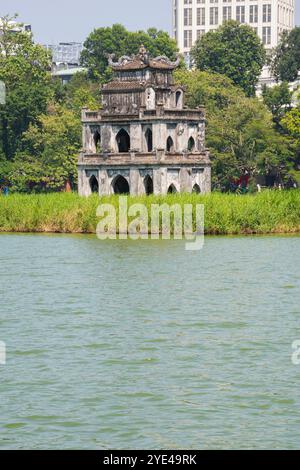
97 141
191 144
172 189
149 140
123 141
178 99
120 185
94 185
170 145
196 189
148 183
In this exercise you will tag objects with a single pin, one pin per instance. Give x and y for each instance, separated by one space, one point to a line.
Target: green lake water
125 344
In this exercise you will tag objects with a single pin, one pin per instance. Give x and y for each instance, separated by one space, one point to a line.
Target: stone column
84 188
106 138
134 178
206 180
182 137
136 137
104 187
160 136
185 179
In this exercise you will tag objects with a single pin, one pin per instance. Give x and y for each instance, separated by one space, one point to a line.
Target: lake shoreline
270 212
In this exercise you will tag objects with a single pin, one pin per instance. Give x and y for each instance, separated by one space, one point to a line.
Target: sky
56 21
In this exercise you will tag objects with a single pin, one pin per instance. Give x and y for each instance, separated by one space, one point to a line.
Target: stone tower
143 140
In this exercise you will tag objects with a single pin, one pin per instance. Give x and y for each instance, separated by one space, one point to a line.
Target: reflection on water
144 345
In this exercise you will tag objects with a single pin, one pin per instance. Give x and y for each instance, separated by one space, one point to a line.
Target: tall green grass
267 212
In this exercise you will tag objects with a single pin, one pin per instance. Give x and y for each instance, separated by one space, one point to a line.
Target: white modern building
65 52
16 27
193 18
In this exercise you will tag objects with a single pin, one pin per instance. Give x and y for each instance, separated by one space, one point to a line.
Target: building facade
65 52
16 27
193 18
143 140
65 60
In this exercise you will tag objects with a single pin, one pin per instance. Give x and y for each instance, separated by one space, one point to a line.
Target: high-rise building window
213 15
200 33
188 38
266 36
188 17
267 13
253 17
240 14
227 13
200 16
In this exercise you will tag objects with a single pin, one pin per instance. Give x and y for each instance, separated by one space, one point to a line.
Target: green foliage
81 92
117 40
233 50
291 122
240 130
24 68
243 137
285 63
267 212
278 99
48 157
212 90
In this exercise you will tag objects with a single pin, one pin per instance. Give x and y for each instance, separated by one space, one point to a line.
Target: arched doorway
123 141
149 140
94 185
191 144
120 185
97 141
196 189
172 189
148 183
170 145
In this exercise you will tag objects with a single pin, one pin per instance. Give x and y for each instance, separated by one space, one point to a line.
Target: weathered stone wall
183 179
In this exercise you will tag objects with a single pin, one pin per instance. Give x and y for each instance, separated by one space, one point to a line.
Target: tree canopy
278 100
233 50
117 40
240 130
285 63
24 68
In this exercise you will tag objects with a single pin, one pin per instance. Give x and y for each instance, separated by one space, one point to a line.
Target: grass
225 214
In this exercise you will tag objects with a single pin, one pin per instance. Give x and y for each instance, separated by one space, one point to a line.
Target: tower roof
141 61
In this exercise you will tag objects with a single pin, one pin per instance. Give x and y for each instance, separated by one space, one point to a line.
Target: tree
242 137
24 68
291 123
240 131
278 100
117 40
82 92
233 50
212 90
285 62
49 152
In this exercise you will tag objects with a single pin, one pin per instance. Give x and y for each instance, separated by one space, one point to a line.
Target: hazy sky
72 20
